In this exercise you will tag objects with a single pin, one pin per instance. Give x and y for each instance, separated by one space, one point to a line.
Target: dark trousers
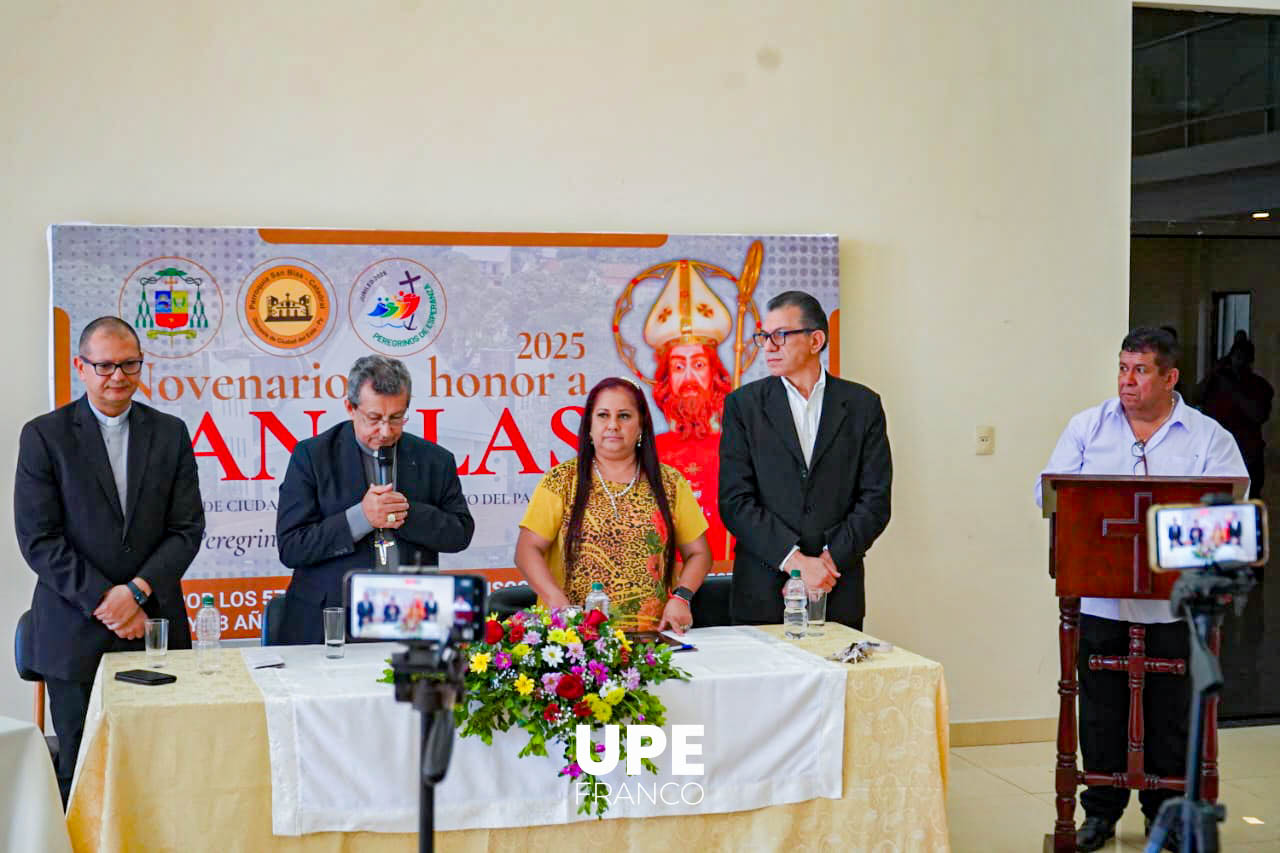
68 705
1104 713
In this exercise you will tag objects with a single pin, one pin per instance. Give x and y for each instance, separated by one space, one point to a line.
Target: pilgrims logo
174 304
286 306
397 306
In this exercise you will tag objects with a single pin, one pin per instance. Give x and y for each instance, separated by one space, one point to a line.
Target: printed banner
248 335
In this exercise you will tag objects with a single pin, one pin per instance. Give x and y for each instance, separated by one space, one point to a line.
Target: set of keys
858 652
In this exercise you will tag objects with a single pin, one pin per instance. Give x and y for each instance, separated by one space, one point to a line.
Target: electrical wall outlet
986 444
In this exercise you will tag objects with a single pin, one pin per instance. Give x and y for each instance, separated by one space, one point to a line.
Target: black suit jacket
770 500
325 477
66 511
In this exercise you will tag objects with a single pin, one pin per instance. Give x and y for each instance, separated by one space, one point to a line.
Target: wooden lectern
1098 548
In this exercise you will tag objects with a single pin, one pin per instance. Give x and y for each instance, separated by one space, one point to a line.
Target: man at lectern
1146 430
364 494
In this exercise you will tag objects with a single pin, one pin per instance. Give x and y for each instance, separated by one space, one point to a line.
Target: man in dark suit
1175 533
341 508
107 511
805 472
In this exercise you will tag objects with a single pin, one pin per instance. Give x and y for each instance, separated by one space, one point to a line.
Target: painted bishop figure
685 327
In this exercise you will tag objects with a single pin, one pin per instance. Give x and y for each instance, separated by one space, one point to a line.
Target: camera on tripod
431 613
1214 544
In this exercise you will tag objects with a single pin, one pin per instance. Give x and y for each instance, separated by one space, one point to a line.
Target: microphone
384 466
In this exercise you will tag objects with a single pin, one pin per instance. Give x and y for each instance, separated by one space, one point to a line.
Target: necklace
1142 442
614 497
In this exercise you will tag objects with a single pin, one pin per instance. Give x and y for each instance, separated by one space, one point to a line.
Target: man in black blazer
335 513
805 472
106 506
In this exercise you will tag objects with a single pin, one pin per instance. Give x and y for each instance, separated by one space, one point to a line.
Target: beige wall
972 157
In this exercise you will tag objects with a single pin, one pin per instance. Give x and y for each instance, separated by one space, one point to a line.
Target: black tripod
430 675
1201 596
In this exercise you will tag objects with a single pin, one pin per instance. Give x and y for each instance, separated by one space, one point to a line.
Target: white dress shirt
806 413
1100 441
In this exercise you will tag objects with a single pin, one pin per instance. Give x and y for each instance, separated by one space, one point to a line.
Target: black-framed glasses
394 421
778 337
1139 451
132 367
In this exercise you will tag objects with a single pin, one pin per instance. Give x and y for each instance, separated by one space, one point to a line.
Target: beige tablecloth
185 766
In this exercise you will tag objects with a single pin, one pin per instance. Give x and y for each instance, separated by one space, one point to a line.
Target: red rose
492 632
552 711
570 687
594 618
516 634
582 709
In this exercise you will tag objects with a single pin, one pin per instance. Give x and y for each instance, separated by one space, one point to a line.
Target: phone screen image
413 607
1194 537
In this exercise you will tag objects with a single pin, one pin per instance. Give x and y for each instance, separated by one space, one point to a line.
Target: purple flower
631 678
599 747
557 619
640 717
575 652
532 637
650 659
549 681
598 670
602 646
576 670
573 771
502 660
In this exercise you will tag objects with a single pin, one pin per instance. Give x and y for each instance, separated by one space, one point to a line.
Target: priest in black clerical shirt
364 495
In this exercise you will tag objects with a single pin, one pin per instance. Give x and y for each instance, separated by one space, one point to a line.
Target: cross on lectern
1134 529
382 546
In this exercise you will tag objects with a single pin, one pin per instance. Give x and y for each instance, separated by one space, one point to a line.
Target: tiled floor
1001 797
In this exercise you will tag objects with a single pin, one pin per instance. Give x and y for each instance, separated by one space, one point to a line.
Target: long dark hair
648 456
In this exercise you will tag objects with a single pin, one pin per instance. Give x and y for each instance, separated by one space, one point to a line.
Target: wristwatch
138 595
683 592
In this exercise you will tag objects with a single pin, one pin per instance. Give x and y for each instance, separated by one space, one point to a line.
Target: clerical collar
369 450
107 420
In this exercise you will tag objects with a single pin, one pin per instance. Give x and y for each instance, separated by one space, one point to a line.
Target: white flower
552 655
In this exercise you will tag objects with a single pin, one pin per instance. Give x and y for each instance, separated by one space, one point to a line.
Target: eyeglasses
778 337
1139 451
375 421
105 368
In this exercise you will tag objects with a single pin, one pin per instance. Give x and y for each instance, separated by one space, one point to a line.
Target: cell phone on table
148 677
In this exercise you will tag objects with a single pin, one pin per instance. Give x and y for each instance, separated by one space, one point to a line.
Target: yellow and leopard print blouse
625 553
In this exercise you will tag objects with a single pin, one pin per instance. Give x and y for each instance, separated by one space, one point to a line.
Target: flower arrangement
548 672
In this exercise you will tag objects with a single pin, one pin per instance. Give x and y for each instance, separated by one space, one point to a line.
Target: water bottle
596 600
795 607
208 631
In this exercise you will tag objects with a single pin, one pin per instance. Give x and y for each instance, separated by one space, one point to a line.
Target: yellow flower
556 635
571 636
521 650
603 712
524 685
626 644
479 662
614 696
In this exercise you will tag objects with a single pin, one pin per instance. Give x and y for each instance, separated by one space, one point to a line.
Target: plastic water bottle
208 632
795 611
596 600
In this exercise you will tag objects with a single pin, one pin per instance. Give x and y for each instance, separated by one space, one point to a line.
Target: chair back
22 649
510 599
272 616
711 602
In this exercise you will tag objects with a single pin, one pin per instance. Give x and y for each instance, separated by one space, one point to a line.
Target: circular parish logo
397 306
286 304
174 305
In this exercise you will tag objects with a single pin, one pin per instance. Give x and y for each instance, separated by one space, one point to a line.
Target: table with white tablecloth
30 806
317 756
